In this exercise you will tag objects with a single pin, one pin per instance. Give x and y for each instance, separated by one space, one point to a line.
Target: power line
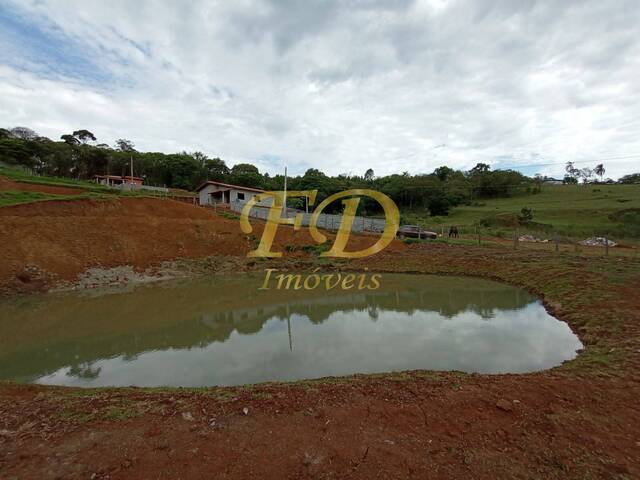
601 159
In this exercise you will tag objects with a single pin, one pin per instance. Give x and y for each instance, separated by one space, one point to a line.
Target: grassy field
88 189
566 210
19 175
11 197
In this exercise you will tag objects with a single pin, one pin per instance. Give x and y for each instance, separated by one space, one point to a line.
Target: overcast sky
340 86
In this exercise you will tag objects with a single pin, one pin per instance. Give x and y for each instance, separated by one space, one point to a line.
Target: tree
199 157
70 139
368 175
84 136
439 205
215 169
572 171
180 171
586 173
23 133
599 170
630 179
444 173
124 145
569 180
539 181
480 168
526 215
244 169
246 175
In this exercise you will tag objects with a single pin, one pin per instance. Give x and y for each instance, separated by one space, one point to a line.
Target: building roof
118 177
227 185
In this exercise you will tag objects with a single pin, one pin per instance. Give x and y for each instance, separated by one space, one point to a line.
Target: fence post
557 245
515 239
478 232
606 246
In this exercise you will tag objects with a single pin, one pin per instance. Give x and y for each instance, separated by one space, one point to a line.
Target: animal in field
453 231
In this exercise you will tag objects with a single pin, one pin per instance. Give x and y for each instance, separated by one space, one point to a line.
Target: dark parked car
414 231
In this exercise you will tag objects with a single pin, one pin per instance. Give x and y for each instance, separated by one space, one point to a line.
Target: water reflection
224 331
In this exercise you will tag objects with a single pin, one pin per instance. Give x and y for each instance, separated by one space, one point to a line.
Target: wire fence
325 221
466 235
518 239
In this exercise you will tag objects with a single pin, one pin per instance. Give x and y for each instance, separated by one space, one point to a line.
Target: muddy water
224 331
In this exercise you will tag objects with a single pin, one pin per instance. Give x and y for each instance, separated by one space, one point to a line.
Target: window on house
240 196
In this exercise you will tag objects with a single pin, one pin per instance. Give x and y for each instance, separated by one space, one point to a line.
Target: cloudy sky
341 86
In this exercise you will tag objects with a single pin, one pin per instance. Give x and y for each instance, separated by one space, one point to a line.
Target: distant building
212 193
115 180
127 182
553 181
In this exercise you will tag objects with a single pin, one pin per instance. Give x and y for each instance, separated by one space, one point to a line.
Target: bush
526 215
629 223
439 206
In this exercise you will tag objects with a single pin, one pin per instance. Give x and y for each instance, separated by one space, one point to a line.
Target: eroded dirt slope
57 240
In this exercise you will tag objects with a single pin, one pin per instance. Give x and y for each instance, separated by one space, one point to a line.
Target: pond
225 331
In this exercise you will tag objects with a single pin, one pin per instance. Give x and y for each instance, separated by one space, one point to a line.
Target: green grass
568 210
453 241
19 175
11 197
91 189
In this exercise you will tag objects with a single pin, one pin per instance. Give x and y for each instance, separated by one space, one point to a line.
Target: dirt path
577 421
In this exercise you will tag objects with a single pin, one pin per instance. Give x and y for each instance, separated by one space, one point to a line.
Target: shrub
526 215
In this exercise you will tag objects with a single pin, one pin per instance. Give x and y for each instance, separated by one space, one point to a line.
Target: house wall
205 195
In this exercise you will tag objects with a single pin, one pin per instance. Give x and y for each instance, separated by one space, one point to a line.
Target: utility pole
285 191
131 157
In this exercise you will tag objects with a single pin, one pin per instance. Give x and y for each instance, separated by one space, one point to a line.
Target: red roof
118 177
228 185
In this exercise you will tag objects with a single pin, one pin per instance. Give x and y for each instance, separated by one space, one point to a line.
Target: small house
213 193
115 180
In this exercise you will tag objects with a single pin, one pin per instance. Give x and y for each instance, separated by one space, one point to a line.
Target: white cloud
341 88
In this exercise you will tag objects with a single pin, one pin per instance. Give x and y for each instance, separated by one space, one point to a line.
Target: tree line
79 155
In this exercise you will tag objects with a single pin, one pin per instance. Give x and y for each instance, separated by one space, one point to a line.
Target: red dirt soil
6 184
444 427
578 421
65 237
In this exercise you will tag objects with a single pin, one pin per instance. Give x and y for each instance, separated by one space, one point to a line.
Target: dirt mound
61 239
6 184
